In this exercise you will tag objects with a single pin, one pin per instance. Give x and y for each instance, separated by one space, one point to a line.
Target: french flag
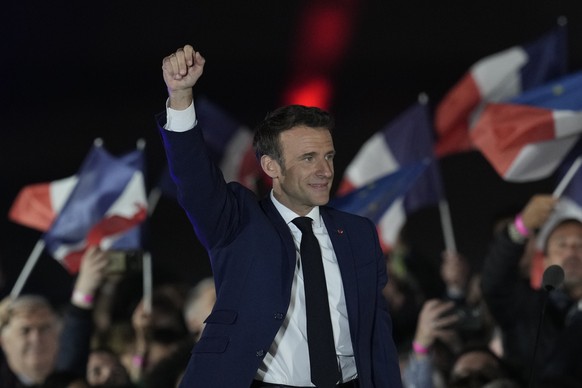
405 141
36 206
497 78
102 205
230 145
527 138
382 200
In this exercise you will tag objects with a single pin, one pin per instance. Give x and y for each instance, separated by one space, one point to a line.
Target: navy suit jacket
253 258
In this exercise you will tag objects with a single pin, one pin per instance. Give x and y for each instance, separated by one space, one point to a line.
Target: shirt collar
289 215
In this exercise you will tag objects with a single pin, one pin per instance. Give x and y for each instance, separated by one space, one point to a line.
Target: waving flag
376 199
230 145
497 78
527 138
405 141
108 202
37 205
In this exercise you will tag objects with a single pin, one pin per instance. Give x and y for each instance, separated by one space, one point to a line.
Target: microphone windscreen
553 277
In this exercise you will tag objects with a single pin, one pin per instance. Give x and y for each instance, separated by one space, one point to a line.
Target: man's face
30 342
306 177
564 248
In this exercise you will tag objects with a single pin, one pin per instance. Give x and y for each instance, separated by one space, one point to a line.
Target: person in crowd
75 339
517 306
271 324
435 342
404 297
157 332
29 338
199 305
37 342
442 358
104 369
447 326
475 367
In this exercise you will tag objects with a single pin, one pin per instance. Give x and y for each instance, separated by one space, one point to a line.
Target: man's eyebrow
313 153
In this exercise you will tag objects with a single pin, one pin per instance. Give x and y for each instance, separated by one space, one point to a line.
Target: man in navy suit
256 335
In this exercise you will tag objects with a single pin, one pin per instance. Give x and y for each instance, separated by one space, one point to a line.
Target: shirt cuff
180 120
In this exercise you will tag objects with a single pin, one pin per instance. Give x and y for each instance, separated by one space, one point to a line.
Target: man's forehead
573 229
307 137
32 315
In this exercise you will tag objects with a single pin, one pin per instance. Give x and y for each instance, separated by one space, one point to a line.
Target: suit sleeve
210 206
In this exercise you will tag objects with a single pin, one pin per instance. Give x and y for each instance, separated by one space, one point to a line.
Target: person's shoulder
343 216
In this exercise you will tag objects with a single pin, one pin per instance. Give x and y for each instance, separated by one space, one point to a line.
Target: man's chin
321 201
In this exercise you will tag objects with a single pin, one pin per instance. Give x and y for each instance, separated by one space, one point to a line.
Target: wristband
82 298
137 360
520 226
419 348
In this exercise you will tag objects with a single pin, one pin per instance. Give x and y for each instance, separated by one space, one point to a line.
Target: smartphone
121 262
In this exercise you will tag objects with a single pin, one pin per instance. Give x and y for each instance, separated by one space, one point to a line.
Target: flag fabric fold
36 206
230 144
405 141
497 78
527 137
104 208
375 198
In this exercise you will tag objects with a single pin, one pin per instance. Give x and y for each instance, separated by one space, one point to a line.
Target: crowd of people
89 343
481 332
493 326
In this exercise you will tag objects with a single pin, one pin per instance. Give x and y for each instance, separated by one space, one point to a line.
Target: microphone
552 278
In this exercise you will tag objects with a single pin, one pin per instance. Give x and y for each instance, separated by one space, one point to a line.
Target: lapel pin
340 231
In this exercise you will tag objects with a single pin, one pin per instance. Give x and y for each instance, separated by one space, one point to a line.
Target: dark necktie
322 357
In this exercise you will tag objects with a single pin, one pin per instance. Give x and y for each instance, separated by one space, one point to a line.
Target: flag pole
27 269
447 226
445 213
567 177
147 282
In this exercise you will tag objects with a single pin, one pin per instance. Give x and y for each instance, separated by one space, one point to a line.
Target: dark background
74 71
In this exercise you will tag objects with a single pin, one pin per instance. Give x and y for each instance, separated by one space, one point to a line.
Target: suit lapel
277 221
345 258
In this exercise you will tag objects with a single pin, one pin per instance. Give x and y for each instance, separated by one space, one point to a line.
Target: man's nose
325 168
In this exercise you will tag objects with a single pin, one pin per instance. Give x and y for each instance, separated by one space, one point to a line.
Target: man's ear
270 166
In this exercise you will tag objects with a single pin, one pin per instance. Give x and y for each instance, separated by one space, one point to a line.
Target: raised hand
434 322
90 277
538 210
181 71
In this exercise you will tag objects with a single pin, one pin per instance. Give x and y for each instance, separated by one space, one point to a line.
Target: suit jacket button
260 353
278 316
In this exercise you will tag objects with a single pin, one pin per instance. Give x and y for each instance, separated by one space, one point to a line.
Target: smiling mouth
319 186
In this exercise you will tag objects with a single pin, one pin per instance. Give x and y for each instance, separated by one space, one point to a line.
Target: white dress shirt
287 361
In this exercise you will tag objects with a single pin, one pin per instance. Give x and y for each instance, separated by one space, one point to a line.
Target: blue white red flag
375 199
230 144
405 141
496 78
527 138
104 209
36 206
